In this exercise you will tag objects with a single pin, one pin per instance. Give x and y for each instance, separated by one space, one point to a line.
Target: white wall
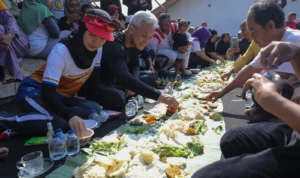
223 15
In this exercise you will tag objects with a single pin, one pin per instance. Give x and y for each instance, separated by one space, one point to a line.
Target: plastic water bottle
130 109
50 131
134 100
73 145
169 89
57 148
248 102
96 117
140 101
61 135
271 74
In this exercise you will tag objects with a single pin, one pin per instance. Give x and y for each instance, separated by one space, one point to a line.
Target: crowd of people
104 57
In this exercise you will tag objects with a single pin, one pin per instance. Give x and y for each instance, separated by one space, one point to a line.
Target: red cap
100 27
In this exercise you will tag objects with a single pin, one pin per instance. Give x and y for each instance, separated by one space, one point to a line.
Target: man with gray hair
120 66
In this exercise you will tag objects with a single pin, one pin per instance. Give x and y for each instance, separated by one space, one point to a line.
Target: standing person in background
105 3
223 44
58 9
114 12
13 46
203 24
137 5
291 21
72 16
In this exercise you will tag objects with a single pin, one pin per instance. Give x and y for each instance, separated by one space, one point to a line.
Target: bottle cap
55 136
58 130
49 126
70 131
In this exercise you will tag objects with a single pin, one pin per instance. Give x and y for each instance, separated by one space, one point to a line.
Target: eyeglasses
99 21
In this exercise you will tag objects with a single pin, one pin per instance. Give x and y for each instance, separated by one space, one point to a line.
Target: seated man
265 149
264 28
120 66
162 42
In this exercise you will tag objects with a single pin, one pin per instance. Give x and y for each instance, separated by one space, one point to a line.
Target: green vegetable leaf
218 129
135 129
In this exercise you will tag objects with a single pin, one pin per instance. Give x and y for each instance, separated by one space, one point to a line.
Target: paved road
233 113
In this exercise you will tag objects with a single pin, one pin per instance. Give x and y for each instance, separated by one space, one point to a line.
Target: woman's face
92 42
226 38
214 38
74 6
116 14
49 4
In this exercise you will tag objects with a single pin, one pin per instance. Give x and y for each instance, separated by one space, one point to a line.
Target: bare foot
3 152
7 76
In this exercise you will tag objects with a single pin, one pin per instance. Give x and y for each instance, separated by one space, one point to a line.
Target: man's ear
131 29
271 25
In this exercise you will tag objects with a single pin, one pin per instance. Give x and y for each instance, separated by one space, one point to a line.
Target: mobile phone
235 42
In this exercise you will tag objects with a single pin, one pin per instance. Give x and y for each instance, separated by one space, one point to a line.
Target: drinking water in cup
130 109
32 163
248 101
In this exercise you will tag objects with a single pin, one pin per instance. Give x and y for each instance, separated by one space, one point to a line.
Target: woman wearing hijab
72 16
42 30
114 12
223 44
13 45
49 92
210 49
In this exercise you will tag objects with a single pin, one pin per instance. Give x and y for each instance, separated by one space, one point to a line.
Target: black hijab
82 57
222 47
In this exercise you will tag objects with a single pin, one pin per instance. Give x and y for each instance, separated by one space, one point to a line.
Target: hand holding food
78 125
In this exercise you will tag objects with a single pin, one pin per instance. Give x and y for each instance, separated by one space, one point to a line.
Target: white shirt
62 72
38 40
58 9
289 35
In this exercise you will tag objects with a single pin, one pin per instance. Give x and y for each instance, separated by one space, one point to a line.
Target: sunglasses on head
99 21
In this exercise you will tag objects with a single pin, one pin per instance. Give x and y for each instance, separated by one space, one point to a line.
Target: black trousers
260 150
35 114
196 60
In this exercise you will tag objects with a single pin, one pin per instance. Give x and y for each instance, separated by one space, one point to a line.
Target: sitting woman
114 12
42 30
210 49
72 16
223 44
49 92
13 46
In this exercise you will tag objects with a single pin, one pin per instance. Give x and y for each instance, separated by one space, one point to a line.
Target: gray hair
143 17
